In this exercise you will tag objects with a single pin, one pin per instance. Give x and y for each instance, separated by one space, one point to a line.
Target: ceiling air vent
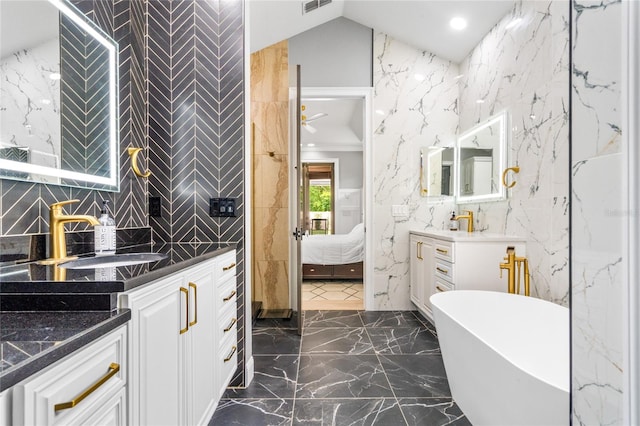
309 6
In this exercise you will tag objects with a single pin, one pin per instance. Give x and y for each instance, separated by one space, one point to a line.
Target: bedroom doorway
333 191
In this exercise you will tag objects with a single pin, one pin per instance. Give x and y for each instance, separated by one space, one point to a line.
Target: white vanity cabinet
421 252
85 388
457 260
175 379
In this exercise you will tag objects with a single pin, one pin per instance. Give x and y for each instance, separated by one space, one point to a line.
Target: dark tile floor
349 368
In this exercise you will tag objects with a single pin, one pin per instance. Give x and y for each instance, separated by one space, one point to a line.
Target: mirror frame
425 173
85 180
502 118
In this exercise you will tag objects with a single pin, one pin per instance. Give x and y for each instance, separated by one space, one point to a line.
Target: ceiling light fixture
514 23
458 23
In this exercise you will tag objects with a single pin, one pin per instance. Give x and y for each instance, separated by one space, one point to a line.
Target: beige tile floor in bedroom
332 295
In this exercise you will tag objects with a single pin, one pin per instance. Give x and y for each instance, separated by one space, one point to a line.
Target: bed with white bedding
334 256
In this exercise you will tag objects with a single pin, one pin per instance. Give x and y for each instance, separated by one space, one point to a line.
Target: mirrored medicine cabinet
469 171
58 97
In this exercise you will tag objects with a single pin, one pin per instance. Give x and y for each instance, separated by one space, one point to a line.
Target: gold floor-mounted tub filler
511 261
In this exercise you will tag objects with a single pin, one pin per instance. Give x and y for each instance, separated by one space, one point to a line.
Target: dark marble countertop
31 286
31 341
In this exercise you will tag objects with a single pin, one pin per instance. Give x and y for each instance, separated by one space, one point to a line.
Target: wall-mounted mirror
437 172
481 158
58 97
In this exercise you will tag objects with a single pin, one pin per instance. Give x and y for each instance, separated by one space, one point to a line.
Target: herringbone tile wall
196 126
24 207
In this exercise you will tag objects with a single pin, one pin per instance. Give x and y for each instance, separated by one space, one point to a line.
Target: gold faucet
469 217
510 265
57 219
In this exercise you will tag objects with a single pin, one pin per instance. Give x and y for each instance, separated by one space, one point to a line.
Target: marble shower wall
270 120
523 69
416 105
597 214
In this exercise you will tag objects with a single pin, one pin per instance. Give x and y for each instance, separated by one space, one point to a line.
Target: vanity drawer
443 250
226 295
226 266
227 325
444 271
440 286
227 364
76 387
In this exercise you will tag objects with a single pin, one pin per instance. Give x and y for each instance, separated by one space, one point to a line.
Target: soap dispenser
105 233
453 222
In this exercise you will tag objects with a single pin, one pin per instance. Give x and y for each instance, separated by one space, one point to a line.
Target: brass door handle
233 322
233 351
226 268
439 250
442 271
230 296
186 293
195 294
113 370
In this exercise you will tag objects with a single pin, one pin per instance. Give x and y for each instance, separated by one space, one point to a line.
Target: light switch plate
399 210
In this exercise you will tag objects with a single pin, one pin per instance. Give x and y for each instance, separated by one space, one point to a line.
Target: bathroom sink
112 260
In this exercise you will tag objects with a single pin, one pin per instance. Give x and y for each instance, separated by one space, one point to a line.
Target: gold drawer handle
442 271
226 268
227 359
439 250
186 293
195 293
229 297
233 322
440 288
113 370
419 249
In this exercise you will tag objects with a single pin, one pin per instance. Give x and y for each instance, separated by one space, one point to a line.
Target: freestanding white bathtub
506 356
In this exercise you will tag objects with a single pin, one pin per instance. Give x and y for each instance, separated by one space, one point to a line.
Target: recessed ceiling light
458 23
55 76
419 77
513 23
480 101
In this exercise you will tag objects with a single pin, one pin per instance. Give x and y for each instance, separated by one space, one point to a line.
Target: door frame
335 185
365 93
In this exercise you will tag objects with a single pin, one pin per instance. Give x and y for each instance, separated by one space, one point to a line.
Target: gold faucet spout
469 217
57 219
510 266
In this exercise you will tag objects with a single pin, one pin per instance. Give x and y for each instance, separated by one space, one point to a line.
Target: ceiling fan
304 120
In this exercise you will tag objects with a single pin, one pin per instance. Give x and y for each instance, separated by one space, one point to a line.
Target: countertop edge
463 237
132 283
66 347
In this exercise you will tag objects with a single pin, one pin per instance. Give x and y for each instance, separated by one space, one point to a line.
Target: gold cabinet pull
230 296
186 293
133 153
113 370
195 294
440 288
233 322
419 249
443 251
226 268
233 351
514 169
442 271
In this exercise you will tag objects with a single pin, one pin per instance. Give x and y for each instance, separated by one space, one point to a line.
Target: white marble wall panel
598 214
522 66
30 99
416 105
